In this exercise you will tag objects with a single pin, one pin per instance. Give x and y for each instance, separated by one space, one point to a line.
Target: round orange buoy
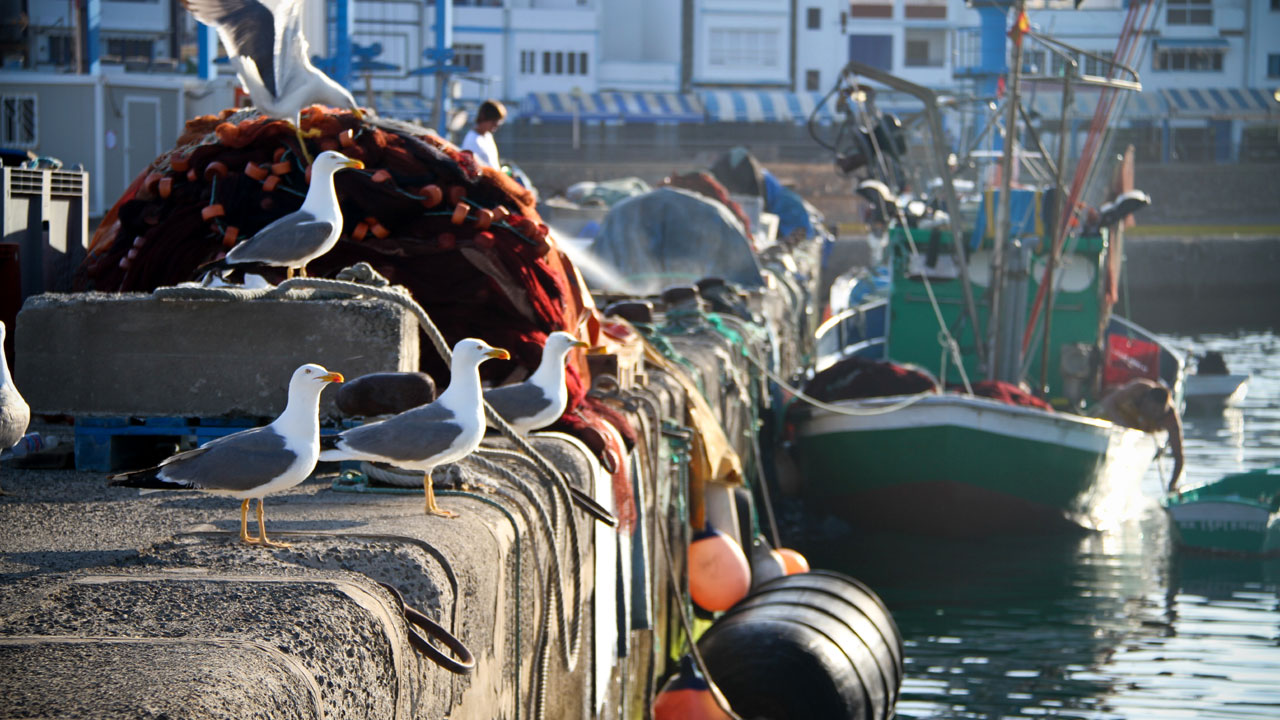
794 561
281 168
687 696
431 195
217 167
256 171
180 163
212 211
483 219
229 237
460 213
719 574
380 231
166 186
271 183
361 230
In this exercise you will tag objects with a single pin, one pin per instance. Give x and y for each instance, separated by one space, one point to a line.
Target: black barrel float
813 645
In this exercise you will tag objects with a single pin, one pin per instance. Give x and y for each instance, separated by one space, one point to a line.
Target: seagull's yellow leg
245 537
432 508
302 142
262 531
288 273
302 271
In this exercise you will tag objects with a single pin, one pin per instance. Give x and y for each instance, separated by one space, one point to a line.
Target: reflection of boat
1238 514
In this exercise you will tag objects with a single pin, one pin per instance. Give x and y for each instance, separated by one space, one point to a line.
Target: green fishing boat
1239 514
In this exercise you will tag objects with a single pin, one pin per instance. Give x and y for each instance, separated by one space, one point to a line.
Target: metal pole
1000 366
1059 225
444 56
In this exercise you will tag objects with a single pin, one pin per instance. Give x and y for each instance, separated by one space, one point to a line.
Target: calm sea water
1115 624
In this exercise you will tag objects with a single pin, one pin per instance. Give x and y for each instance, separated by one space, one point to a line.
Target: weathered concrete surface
98 354
1202 283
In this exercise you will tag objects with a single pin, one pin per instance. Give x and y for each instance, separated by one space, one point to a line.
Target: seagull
540 400
303 235
265 44
14 413
251 463
437 433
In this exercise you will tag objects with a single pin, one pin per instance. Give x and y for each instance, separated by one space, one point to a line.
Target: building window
470 56
1058 63
18 120
130 49
528 62
812 80
1094 66
1188 60
874 50
814 18
1273 65
1033 62
925 48
560 63
582 63
573 62
1191 12
546 63
59 50
739 48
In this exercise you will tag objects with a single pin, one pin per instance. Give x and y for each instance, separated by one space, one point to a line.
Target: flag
1020 27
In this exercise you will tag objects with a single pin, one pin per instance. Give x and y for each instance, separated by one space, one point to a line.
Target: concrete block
99 354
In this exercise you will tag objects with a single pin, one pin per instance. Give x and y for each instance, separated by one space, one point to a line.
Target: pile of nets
465 240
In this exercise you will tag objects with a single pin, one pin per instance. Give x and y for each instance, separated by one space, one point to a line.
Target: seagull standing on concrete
540 400
303 235
251 463
265 44
441 432
15 415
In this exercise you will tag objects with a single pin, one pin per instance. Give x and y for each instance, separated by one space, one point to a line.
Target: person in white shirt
479 139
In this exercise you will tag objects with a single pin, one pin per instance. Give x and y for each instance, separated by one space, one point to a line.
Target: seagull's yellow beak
358 113
498 354
597 350
579 344
351 163
332 377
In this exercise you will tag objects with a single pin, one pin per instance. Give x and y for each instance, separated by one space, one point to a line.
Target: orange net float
347 138
191 175
501 213
256 171
431 195
212 211
227 133
380 231
215 168
457 194
180 163
362 229
484 218
719 574
229 237
687 696
281 168
277 155
380 176
271 183
460 213
794 561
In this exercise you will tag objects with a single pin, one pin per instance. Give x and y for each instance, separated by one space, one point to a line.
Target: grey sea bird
437 433
303 235
15 415
540 400
251 463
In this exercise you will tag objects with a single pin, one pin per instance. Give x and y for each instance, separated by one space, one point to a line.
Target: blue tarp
671 237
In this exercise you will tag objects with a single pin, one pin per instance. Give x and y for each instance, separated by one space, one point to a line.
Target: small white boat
1207 393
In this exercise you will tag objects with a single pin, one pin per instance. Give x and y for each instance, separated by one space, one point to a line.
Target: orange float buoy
687 696
483 219
456 194
271 183
229 237
180 163
166 186
347 138
719 574
212 211
361 230
217 167
794 561
380 176
460 213
256 171
431 195
281 168
380 231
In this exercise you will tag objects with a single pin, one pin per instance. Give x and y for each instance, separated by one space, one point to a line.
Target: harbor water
1111 624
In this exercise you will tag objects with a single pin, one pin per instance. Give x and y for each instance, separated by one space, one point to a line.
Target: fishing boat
973 457
1211 388
1238 514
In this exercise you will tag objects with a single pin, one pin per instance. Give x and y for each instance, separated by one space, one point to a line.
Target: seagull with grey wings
265 44
293 240
540 400
441 432
15 415
251 463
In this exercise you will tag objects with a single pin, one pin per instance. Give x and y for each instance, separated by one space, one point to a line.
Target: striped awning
1220 102
755 106
1047 101
634 107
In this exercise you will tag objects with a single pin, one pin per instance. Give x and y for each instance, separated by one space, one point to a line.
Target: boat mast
1004 351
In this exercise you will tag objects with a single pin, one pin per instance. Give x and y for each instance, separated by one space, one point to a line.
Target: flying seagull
251 463
14 413
437 433
540 400
303 235
265 44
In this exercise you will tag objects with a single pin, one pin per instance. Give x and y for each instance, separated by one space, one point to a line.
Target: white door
141 134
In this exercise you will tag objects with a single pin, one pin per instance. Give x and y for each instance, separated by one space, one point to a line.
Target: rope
907 401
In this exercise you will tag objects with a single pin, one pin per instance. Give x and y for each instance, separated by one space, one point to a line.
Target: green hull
1239 514
960 466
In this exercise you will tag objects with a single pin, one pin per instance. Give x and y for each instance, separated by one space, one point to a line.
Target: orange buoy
719 574
346 138
180 163
361 230
687 696
217 167
431 195
456 194
483 219
460 213
212 211
380 176
256 171
166 186
271 183
794 561
281 168
380 231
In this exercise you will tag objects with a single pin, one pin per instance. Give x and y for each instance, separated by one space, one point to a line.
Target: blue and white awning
1047 102
753 106
612 106
1221 102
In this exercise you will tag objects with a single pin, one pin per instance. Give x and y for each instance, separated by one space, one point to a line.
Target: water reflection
1114 624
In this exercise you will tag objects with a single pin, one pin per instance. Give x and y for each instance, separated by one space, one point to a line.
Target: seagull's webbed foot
245 537
262 532
302 141
432 508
